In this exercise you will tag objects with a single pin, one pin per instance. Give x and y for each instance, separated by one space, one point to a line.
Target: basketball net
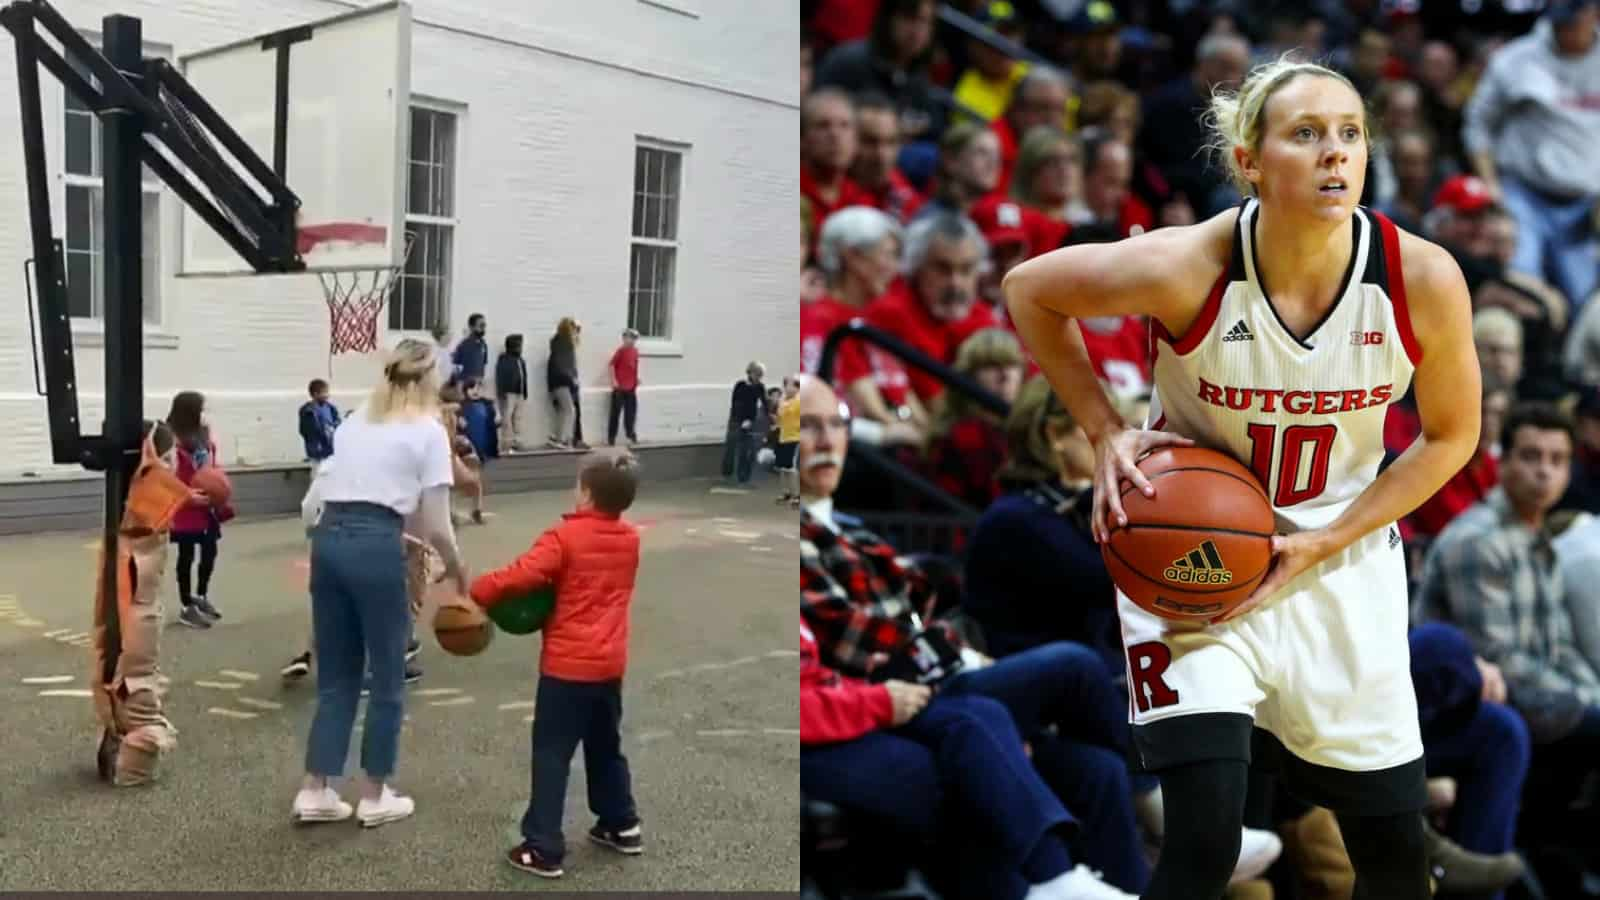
356 298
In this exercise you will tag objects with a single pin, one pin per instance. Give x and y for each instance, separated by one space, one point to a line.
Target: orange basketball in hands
214 481
1197 548
462 628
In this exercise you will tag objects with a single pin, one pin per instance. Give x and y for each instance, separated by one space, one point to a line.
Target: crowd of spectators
942 144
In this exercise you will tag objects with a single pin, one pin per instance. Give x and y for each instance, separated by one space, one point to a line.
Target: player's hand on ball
908 699
1116 460
1291 555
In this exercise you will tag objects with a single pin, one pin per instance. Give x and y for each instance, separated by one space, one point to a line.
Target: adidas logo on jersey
1202 565
1239 332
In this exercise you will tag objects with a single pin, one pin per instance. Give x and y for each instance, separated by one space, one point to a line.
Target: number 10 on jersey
1298 479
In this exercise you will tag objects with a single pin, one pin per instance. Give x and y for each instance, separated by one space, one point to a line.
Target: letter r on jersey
1147 663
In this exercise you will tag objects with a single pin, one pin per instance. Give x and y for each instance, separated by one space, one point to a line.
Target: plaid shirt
857 595
1497 580
965 460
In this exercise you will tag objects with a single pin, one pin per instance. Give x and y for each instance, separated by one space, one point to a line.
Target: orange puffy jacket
591 559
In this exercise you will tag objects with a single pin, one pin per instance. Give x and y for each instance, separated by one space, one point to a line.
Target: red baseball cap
1464 194
1001 223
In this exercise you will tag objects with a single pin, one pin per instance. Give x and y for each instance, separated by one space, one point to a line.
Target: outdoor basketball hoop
356 297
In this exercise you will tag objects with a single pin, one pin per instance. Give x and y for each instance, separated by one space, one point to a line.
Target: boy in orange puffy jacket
591 560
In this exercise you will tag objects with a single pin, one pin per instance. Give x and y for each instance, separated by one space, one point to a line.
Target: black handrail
859 329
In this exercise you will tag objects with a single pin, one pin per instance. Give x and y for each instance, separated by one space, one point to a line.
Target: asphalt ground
709 727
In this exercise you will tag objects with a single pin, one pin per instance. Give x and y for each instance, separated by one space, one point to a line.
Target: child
466 464
197 525
479 422
625 388
318 419
789 441
511 391
416 582
591 559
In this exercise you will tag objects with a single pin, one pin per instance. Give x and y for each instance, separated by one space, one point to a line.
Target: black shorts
1179 740
785 455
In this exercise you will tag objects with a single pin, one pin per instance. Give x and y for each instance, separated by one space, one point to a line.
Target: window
422 297
657 179
85 204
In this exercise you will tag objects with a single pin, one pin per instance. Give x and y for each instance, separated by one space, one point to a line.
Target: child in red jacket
591 559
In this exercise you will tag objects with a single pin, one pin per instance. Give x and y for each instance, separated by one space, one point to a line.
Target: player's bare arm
1151 274
1448 385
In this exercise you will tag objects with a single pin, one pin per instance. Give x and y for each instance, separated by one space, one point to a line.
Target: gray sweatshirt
1538 114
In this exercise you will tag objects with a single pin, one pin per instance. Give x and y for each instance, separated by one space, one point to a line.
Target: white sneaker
1081 883
319 806
389 807
1257 850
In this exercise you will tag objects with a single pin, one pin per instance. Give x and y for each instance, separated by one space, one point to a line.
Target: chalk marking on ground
67 692
520 704
258 704
790 732
453 701
782 654
58 631
723 732
219 685
436 692
739 535
50 679
238 675
737 492
761 549
670 673
231 713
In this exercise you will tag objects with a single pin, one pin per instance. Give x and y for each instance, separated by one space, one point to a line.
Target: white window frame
91 329
451 222
670 344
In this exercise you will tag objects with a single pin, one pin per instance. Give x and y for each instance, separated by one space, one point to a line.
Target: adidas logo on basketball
1239 332
1202 565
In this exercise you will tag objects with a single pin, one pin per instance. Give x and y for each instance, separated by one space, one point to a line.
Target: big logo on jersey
1295 403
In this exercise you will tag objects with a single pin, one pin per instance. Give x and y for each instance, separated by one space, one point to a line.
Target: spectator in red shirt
967 443
969 169
858 252
877 153
827 148
1107 179
1049 175
1040 99
1476 479
894 751
625 388
937 307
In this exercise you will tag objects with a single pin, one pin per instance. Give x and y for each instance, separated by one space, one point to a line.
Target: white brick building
540 111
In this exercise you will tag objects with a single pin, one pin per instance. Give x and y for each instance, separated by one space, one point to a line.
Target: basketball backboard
347 122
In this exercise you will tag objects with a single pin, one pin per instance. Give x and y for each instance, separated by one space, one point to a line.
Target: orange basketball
215 483
1201 545
462 629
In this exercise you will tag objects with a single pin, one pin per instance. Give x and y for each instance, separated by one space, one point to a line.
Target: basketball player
1318 315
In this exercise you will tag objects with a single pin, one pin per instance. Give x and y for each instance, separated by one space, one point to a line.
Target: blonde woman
561 376
392 477
1319 315
966 443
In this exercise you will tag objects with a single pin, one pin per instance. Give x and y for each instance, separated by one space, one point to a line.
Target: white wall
552 97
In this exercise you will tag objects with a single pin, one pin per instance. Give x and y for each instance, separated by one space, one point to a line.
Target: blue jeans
739 452
1554 239
567 713
1068 685
360 618
1489 761
961 755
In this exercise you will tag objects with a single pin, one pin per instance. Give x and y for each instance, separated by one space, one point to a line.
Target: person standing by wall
561 377
511 392
625 388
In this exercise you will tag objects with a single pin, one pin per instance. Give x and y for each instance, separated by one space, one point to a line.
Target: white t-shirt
388 463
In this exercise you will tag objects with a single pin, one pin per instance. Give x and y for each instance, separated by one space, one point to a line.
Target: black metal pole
124 305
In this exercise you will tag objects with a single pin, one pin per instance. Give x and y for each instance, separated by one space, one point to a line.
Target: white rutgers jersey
1306 413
